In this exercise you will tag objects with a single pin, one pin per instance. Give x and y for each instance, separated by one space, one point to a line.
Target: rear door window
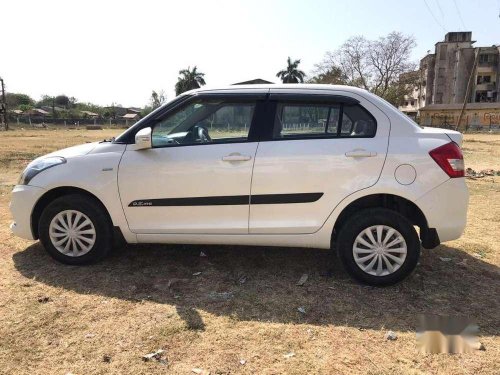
297 121
357 122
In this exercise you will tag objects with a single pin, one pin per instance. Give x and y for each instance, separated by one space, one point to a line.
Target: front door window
205 122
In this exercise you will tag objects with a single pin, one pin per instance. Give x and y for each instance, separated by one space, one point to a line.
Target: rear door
315 151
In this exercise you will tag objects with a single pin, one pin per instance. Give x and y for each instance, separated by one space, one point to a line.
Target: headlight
38 166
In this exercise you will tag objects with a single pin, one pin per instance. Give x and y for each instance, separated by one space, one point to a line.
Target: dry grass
124 306
482 151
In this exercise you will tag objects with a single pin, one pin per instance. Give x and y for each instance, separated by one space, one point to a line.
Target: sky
119 51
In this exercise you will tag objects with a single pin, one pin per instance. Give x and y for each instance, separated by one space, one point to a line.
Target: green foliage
14 101
62 101
291 74
73 114
57 101
25 107
189 80
333 75
89 107
157 99
45 100
397 91
146 111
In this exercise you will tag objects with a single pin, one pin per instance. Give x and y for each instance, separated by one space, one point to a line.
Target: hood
70 152
73 151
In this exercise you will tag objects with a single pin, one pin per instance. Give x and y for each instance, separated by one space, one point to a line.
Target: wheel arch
395 203
55 193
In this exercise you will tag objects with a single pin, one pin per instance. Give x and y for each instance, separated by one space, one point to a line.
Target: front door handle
236 157
360 153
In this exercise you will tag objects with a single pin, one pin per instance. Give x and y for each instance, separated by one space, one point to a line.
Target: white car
317 166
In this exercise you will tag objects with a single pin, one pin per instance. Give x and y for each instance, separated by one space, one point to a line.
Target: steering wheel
202 133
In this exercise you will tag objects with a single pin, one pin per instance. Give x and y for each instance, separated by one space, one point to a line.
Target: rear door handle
236 157
360 153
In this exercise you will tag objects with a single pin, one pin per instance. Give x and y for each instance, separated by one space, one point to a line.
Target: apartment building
455 73
412 102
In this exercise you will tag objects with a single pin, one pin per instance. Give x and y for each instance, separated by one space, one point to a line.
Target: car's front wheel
75 229
378 246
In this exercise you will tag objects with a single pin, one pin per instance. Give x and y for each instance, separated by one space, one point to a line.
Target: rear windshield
400 112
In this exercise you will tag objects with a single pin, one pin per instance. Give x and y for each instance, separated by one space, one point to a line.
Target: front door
196 178
321 149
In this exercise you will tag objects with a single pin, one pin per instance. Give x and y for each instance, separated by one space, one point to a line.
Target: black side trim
194 201
285 198
232 200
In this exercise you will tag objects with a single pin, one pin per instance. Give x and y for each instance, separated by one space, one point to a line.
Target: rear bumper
445 208
24 198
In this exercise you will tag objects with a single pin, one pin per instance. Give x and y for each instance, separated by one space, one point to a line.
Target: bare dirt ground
240 314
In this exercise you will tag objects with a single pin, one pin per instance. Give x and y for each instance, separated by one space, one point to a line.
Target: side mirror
143 139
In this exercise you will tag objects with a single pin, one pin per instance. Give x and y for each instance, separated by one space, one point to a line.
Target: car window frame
261 128
217 142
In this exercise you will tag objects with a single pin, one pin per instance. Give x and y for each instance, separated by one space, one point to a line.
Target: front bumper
24 198
445 208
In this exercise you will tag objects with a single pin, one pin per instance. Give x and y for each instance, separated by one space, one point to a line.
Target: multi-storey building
455 73
412 101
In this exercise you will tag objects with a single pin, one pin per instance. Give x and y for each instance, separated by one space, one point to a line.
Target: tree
331 75
15 100
399 91
25 107
62 100
189 80
157 99
45 100
291 74
374 65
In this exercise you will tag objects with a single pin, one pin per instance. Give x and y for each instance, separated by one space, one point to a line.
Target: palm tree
292 74
189 80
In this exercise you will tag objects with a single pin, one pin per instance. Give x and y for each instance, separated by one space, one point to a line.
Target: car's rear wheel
75 229
378 246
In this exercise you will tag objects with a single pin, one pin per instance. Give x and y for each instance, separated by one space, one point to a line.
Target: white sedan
317 166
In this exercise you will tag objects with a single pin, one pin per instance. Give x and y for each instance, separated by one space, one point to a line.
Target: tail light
449 157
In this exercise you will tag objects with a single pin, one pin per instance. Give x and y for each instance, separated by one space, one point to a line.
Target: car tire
378 246
75 229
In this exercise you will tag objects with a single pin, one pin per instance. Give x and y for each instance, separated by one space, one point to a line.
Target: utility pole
467 91
3 107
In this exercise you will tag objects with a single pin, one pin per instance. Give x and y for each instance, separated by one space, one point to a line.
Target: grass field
240 314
